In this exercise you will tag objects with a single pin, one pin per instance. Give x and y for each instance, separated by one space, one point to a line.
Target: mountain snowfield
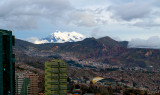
60 37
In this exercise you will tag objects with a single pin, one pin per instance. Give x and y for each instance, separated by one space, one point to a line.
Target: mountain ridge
104 50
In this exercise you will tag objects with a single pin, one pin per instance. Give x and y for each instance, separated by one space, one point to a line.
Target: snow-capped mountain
61 37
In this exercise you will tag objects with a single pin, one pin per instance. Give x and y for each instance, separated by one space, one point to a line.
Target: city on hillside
79 47
30 69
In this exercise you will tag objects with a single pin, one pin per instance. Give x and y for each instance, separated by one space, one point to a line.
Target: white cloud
152 42
148 23
90 17
25 14
129 13
131 10
36 40
82 18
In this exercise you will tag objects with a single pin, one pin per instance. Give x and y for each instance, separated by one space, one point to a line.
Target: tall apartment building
19 83
26 84
7 63
55 78
33 84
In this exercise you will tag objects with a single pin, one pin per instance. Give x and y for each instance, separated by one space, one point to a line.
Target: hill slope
104 50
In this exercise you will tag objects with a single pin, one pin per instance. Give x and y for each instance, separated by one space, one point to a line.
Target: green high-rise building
55 78
7 63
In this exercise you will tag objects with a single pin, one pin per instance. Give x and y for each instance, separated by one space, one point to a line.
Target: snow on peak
60 37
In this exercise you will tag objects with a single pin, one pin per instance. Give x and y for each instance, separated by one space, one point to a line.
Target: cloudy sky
119 19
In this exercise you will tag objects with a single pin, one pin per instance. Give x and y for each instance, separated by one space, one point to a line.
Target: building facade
55 78
7 63
19 83
33 84
26 84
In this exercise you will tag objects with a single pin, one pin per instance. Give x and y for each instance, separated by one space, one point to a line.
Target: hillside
104 50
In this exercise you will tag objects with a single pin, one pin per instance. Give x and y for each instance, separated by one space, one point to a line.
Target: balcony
63 87
55 70
54 88
62 70
54 82
62 65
